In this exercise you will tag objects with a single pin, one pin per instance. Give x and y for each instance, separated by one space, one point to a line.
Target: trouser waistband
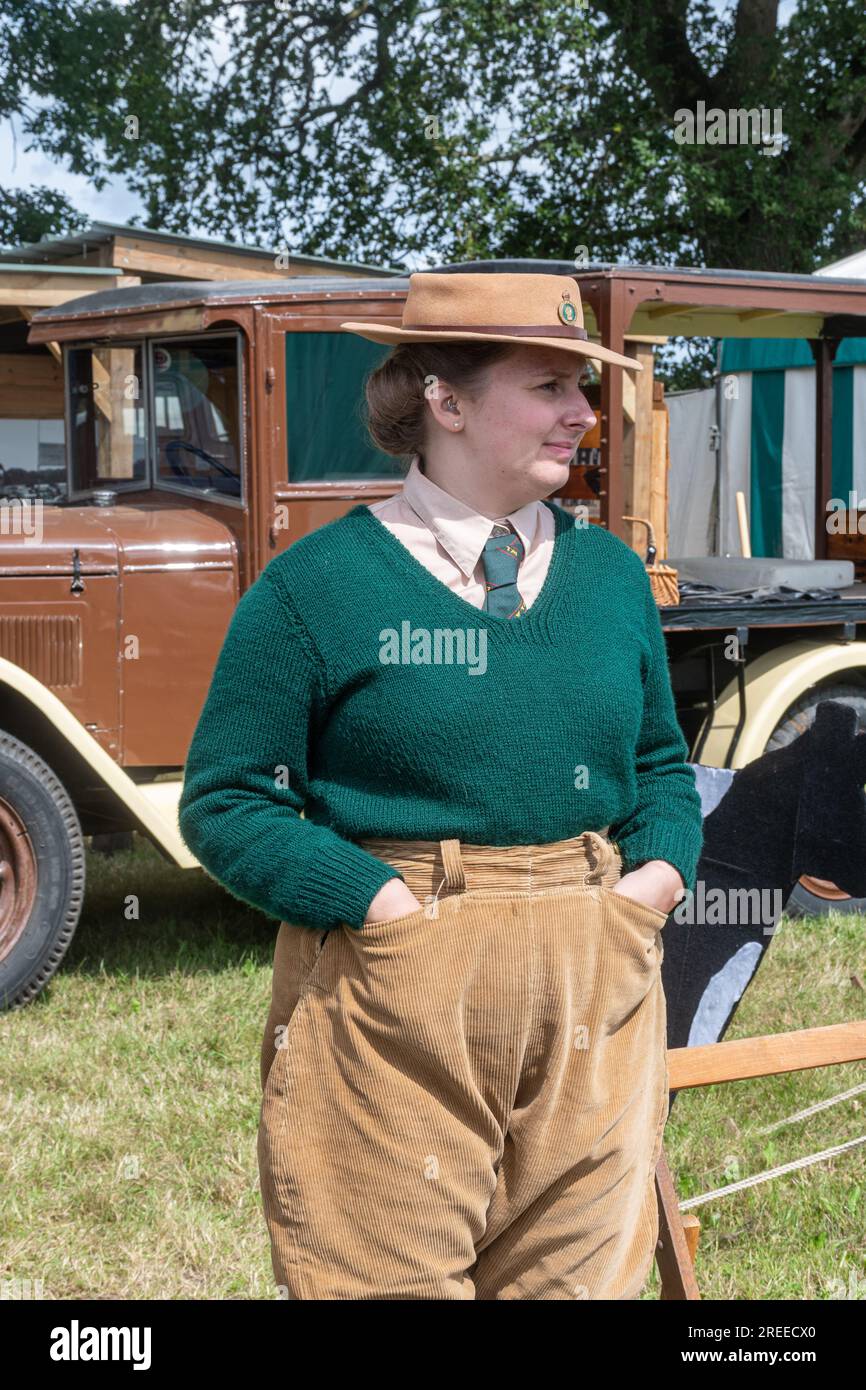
454 866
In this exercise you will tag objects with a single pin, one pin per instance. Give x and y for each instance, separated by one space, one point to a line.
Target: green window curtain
765 488
843 432
327 440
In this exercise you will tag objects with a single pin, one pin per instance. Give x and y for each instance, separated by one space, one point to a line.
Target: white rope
812 1110
771 1173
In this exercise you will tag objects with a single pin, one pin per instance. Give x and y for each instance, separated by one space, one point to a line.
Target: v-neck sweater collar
539 618
460 530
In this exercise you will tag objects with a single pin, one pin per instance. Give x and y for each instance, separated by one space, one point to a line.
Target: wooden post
638 448
659 470
823 350
612 325
674 1252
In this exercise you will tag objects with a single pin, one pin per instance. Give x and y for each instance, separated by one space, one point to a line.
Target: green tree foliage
30 214
392 132
686 364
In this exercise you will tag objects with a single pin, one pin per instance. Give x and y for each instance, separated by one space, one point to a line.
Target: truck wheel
816 897
41 873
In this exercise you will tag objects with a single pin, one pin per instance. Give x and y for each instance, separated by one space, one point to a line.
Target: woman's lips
564 450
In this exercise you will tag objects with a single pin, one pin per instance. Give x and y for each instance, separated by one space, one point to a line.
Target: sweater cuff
678 845
344 881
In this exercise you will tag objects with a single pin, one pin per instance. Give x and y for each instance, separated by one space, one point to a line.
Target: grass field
130 1104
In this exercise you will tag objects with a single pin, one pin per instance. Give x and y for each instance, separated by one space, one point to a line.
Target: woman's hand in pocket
655 884
394 899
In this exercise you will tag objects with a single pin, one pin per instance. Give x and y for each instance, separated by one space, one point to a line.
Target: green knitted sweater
355 686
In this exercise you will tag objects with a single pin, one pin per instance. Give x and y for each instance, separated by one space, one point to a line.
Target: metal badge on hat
567 311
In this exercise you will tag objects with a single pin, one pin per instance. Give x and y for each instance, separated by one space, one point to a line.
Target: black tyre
814 897
41 873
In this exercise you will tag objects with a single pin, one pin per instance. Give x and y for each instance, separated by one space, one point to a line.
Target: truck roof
666 300
164 293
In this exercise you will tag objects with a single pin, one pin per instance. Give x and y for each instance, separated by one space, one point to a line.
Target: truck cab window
326 436
106 416
196 413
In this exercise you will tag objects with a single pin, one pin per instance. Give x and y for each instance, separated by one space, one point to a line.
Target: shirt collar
458 528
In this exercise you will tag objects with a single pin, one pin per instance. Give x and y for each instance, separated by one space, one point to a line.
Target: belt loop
604 854
452 863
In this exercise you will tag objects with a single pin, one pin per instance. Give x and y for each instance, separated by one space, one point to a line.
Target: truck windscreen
162 412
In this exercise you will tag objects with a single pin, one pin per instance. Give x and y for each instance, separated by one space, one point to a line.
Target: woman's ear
445 406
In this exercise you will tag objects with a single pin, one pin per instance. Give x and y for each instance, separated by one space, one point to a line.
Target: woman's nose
581 416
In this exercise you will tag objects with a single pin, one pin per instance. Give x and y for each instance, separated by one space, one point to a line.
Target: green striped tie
501 556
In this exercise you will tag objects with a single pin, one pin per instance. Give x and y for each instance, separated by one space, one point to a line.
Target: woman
464 1065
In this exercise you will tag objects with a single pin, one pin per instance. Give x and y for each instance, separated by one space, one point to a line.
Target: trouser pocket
298 955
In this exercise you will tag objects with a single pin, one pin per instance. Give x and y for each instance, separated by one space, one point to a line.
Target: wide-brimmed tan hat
541 310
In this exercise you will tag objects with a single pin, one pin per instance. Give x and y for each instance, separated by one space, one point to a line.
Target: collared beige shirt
448 536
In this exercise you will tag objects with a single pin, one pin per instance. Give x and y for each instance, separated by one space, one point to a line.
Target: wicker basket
663 578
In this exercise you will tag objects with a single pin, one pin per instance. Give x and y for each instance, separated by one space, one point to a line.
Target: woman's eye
584 381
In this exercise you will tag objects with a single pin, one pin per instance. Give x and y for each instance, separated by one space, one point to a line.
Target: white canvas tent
755 432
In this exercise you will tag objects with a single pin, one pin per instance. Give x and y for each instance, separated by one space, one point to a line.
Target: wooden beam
174 261
747 315
768 1055
725 323
31 387
744 316
187 263
53 348
668 310
149 320
38 291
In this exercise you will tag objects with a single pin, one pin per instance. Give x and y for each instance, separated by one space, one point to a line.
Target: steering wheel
177 467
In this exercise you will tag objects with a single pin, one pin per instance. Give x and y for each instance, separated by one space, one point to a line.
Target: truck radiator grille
48 647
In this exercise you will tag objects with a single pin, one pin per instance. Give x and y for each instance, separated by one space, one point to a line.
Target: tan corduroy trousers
469 1101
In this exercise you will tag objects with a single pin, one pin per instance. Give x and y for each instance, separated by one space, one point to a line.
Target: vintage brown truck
208 426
